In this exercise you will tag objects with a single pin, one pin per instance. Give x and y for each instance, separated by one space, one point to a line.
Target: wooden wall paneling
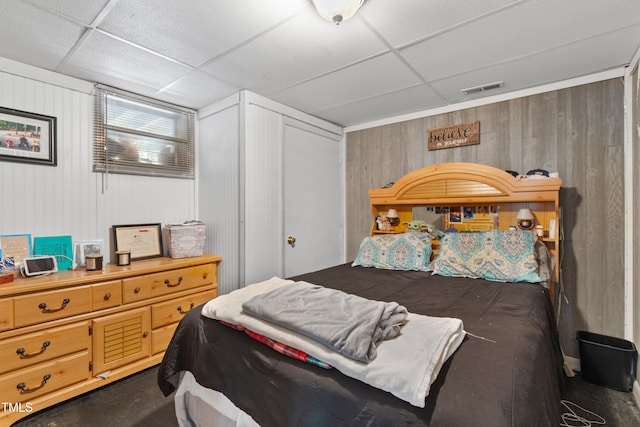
595 235
571 162
511 127
565 131
614 230
488 154
416 134
612 135
391 150
358 203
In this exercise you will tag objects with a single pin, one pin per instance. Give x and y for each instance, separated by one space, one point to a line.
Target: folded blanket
281 348
405 366
346 323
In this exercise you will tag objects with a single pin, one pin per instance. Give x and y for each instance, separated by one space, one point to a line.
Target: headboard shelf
464 183
470 184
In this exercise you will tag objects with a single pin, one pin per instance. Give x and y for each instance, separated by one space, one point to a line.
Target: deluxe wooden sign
454 136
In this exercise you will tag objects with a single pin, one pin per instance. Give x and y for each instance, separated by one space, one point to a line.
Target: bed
507 371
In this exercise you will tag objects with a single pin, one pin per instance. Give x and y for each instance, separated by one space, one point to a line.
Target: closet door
312 199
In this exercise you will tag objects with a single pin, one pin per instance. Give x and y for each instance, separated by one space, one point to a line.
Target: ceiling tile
82 11
196 31
416 19
405 101
196 89
43 40
529 28
304 47
106 60
546 67
375 76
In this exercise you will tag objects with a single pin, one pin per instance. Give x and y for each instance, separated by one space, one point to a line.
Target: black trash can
607 361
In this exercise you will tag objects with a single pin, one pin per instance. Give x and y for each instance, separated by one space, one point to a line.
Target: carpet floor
136 401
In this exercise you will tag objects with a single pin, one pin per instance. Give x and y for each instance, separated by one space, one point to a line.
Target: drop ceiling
394 57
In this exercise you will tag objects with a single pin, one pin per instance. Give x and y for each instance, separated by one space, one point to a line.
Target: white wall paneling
70 199
240 184
263 194
219 191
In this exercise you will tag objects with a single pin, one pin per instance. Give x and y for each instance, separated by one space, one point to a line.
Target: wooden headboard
472 185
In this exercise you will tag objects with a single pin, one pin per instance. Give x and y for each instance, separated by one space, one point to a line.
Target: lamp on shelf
525 219
337 11
394 219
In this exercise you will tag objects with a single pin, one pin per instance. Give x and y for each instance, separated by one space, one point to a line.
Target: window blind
137 135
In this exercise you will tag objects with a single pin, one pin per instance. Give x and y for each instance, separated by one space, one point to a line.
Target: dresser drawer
46 306
167 282
160 338
106 295
6 314
135 290
174 310
26 350
27 384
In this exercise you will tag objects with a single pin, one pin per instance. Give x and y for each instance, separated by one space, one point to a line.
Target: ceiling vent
482 88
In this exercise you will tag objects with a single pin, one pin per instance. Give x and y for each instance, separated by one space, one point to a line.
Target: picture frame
455 215
14 248
143 240
83 248
468 213
27 137
60 247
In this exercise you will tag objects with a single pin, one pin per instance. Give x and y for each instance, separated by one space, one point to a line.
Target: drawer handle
23 355
24 389
107 296
43 306
136 290
169 284
184 312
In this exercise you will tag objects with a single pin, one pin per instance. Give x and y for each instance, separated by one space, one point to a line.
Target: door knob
291 240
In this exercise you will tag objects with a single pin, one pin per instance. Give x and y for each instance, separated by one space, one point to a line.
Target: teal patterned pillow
499 255
407 251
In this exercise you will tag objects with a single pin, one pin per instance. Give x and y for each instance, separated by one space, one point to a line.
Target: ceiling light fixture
337 11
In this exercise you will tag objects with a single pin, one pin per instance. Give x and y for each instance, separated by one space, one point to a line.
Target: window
141 136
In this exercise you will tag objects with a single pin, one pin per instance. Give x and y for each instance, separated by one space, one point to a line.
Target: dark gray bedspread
514 381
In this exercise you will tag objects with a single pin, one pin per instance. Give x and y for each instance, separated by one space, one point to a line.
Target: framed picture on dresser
143 240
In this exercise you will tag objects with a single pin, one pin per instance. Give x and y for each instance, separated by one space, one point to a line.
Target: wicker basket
186 240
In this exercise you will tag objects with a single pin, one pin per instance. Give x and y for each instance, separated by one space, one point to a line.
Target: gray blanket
346 323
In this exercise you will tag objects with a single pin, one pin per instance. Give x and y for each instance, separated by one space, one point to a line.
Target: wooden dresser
74 331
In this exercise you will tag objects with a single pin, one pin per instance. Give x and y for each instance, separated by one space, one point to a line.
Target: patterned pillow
407 251
499 255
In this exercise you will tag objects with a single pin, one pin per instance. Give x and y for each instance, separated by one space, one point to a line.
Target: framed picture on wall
27 137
